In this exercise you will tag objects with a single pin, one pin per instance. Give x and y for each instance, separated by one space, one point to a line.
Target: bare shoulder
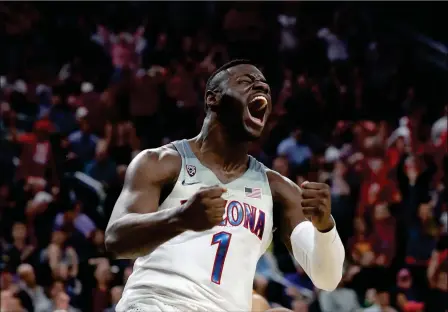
282 187
160 164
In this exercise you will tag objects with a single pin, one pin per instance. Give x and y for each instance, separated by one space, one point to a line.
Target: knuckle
324 192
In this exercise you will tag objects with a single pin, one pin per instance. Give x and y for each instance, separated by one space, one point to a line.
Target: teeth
262 99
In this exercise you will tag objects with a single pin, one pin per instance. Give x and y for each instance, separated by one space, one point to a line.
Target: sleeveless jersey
211 270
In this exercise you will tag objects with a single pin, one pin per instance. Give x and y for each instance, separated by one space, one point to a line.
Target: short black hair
210 85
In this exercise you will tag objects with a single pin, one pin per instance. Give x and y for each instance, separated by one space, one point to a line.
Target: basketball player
197 214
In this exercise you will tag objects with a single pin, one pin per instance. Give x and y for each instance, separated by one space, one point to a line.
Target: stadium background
360 102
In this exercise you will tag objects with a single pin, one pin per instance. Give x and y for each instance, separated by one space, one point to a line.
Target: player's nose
261 86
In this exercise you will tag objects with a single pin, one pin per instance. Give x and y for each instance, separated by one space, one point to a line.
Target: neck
217 147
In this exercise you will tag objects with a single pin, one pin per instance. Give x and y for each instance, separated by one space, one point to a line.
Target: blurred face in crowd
101 152
98 238
383 298
55 100
339 169
281 165
411 167
424 211
84 125
19 232
360 226
62 301
400 144
26 274
301 81
58 237
56 288
102 273
404 279
299 306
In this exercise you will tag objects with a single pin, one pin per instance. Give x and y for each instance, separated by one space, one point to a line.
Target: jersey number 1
223 241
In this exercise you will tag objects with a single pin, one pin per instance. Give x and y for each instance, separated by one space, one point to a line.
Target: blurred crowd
83 89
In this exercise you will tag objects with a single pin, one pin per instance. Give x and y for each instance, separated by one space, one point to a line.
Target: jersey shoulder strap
188 173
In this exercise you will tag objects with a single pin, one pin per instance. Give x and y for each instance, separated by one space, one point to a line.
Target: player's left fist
316 205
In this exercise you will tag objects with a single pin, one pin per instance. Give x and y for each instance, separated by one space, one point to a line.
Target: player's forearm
135 235
321 255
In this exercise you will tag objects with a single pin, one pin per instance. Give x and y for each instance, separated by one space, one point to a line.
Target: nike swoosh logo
190 183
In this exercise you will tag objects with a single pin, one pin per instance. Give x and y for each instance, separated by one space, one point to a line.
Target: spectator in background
342 299
422 236
57 300
336 48
83 142
292 148
406 295
37 157
160 54
72 285
10 302
81 221
362 243
61 114
58 252
115 295
97 106
102 168
144 104
382 302
437 274
281 165
349 107
101 292
29 285
20 251
384 227
181 92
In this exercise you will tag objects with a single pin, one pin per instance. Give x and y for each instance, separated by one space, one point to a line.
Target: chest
248 214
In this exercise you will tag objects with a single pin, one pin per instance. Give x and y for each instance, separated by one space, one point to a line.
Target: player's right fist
204 209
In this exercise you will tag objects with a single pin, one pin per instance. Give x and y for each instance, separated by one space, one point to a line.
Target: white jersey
211 270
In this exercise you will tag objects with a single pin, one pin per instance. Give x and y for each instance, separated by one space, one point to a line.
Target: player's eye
244 81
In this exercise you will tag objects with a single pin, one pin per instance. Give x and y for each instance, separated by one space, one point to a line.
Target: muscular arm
136 227
319 251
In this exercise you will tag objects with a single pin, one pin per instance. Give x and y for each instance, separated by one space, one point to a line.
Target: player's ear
212 100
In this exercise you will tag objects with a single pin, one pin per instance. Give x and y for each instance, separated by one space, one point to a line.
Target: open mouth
257 108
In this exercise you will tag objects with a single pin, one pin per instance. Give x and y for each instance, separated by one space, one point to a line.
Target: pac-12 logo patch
191 170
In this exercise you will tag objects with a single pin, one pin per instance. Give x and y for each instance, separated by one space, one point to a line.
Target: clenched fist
204 209
316 205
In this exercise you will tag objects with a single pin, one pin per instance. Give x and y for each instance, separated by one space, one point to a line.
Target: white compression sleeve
321 255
